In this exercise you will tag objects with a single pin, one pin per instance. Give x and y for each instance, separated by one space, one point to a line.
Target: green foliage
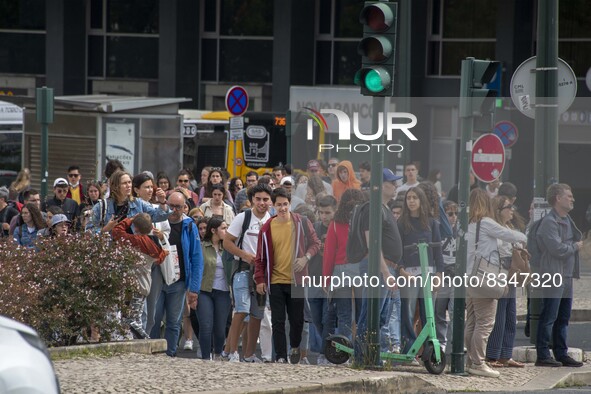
68 284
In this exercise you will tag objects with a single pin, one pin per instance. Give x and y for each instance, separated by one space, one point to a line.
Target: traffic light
377 47
476 99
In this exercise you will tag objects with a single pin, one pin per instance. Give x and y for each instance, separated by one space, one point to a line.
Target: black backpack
356 244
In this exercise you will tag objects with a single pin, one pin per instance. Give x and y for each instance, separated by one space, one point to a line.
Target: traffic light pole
403 71
44 110
467 124
546 118
380 105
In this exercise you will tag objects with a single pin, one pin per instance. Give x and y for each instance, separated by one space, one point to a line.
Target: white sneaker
395 349
252 359
304 361
321 360
281 361
483 370
188 345
234 357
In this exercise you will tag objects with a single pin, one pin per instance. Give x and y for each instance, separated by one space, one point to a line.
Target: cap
313 165
286 179
60 182
59 218
389 176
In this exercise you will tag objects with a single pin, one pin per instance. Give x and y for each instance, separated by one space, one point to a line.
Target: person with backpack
279 269
335 261
559 242
391 253
241 240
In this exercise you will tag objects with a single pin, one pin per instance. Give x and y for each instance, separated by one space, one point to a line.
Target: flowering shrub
68 284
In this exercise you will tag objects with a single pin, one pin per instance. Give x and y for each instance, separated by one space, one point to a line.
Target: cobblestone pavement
135 373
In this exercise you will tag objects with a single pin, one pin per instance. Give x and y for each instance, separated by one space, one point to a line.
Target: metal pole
288 134
403 102
44 109
467 123
546 118
375 238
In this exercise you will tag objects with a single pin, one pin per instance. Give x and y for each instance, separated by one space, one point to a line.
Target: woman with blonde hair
20 185
481 310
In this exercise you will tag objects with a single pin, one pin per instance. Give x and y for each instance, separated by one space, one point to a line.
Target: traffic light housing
377 48
476 99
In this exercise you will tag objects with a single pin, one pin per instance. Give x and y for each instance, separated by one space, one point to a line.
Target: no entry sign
488 157
237 100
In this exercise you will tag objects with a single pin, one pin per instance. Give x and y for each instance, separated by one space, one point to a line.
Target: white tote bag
171 270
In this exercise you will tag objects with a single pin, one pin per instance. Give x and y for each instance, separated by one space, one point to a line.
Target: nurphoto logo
390 119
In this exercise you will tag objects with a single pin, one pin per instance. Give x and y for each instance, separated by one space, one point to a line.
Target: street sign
488 157
236 134
507 132
237 100
523 87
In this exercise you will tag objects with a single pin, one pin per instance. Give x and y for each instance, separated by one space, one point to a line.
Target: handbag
489 275
170 267
520 265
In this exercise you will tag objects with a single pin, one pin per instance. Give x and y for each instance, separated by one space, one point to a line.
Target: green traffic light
373 81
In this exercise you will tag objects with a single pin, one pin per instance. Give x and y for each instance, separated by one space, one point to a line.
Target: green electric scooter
339 348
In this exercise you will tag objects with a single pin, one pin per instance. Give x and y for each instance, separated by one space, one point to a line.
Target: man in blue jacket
184 236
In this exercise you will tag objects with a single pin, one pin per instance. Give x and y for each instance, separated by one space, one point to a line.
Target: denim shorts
244 301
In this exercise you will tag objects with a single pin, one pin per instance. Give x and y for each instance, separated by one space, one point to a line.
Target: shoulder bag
489 274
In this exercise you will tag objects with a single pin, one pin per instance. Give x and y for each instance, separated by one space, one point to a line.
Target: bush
68 284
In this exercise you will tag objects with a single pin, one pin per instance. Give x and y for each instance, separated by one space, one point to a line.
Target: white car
25 366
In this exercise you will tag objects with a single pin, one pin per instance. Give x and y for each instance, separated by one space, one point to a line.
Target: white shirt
250 240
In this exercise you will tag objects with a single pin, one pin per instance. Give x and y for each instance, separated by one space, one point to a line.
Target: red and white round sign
488 157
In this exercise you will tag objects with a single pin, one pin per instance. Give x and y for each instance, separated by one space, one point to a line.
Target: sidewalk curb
143 346
575 379
402 382
528 354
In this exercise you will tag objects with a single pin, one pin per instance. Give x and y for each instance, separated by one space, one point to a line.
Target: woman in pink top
335 260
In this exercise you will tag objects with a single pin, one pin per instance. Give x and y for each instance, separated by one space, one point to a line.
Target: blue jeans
409 296
383 307
394 321
502 337
212 311
171 300
553 323
323 317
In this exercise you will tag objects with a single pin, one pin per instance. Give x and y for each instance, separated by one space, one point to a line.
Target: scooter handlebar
414 246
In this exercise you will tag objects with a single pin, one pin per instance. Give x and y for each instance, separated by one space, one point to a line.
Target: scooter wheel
334 355
431 364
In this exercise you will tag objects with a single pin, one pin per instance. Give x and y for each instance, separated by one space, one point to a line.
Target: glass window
347 19
22 14
246 18
96 14
577 55
234 69
436 15
132 16
346 62
95 56
574 19
469 19
209 16
22 53
209 59
132 57
323 65
455 52
324 17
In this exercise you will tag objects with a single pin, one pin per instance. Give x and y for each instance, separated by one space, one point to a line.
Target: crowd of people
244 245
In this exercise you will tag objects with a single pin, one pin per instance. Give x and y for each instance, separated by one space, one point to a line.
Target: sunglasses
183 181
511 207
451 213
73 175
197 218
176 207
216 168
332 164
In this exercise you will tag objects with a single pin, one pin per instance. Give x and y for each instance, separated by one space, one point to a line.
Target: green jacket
209 266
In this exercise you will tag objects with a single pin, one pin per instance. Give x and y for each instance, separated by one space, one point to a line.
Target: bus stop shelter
144 133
